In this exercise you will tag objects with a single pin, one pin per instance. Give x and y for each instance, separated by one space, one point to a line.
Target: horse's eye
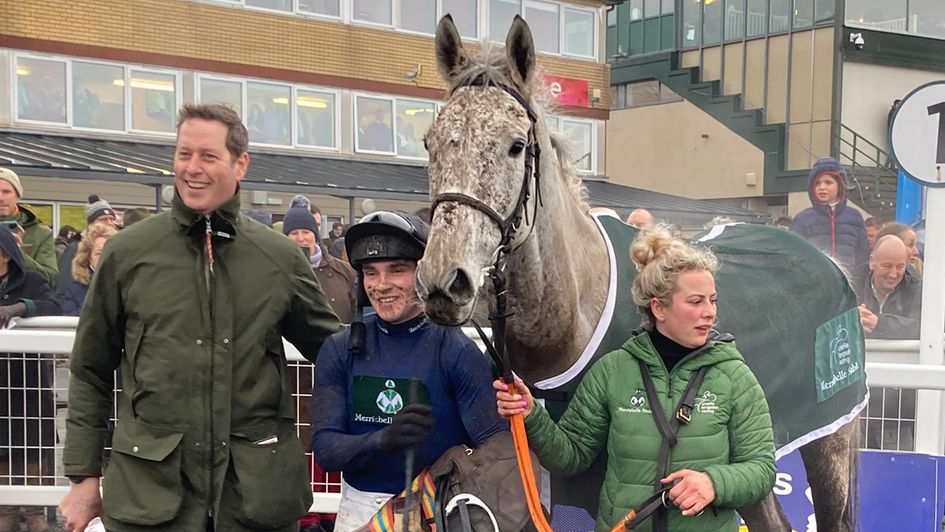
517 147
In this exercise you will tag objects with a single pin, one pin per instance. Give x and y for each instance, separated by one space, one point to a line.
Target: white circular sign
917 134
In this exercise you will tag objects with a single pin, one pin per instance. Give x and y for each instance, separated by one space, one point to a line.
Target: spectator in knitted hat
335 276
34 238
97 211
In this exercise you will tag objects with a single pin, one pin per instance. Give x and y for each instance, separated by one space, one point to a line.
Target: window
668 6
692 24
414 118
641 93
465 15
316 118
268 113
153 101
780 19
757 17
41 90
98 96
579 134
734 19
612 17
879 14
374 117
220 91
636 10
651 8
803 14
823 12
330 8
927 17
501 13
418 15
278 5
542 18
373 11
579 32
712 22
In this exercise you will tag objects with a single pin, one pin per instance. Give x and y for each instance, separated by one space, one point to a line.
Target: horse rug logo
389 401
706 403
637 403
838 354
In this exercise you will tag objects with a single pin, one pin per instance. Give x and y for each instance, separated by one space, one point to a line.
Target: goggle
395 220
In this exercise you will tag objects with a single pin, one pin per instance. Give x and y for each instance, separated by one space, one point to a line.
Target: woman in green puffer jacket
724 455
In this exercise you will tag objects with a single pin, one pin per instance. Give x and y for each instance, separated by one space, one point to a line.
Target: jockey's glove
410 426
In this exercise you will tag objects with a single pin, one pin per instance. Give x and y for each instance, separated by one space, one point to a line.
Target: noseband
508 227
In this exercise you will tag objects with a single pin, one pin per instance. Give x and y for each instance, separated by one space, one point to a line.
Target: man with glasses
394 382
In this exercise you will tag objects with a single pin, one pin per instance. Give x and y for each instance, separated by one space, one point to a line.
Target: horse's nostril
461 284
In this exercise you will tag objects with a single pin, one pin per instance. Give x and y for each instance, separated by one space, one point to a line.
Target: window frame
562 42
336 126
126 96
15 89
394 100
558 128
178 99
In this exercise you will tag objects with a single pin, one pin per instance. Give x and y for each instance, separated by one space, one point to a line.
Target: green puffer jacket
729 437
205 419
39 247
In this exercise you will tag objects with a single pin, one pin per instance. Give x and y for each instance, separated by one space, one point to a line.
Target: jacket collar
640 346
223 220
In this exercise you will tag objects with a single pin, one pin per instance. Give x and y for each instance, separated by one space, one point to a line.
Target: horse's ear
450 55
520 50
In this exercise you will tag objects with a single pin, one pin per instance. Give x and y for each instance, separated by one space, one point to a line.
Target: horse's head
480 147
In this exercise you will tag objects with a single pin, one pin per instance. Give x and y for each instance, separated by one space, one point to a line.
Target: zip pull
209 240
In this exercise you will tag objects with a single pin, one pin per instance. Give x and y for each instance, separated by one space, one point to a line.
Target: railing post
929 424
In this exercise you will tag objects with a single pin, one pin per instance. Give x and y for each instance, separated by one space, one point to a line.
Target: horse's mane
491 64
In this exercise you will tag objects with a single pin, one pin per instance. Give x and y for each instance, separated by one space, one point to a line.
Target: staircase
872 184
873 179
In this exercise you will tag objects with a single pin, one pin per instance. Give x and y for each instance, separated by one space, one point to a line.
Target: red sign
567 91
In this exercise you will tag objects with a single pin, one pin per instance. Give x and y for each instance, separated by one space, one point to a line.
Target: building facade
324 82
737 98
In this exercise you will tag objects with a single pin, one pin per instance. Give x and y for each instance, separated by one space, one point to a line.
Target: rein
509 227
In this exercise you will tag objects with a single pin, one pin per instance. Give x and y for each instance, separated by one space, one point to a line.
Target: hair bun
650 246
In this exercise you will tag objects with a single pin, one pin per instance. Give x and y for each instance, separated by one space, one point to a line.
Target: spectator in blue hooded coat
829 224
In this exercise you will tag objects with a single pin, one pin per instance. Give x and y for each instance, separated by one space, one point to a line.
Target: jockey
394 382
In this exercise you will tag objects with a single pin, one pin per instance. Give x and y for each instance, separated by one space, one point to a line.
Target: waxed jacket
205 420
39 247
729 437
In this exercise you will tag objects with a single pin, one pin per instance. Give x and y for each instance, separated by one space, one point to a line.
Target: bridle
508 226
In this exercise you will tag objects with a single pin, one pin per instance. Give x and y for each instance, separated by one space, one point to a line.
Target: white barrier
889 363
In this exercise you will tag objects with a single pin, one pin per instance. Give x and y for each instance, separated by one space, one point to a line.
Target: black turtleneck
670 351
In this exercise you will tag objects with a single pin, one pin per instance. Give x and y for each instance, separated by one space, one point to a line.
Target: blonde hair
81 267
661 259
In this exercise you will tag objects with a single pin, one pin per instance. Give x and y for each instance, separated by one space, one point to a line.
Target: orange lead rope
525 469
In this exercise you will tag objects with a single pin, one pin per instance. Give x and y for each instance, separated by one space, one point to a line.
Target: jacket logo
840 347
706 403
637 404
389 401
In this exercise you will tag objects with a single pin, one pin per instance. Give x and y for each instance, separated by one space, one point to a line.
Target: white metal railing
888 363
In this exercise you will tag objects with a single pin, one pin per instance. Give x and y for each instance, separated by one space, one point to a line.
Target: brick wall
184 32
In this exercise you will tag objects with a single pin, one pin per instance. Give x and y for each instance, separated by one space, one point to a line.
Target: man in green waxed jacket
729 437
191 305
35 239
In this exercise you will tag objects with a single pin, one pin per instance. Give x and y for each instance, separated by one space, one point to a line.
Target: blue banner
897 492
908 200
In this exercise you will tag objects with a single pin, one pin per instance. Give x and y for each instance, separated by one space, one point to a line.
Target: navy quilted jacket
838 231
